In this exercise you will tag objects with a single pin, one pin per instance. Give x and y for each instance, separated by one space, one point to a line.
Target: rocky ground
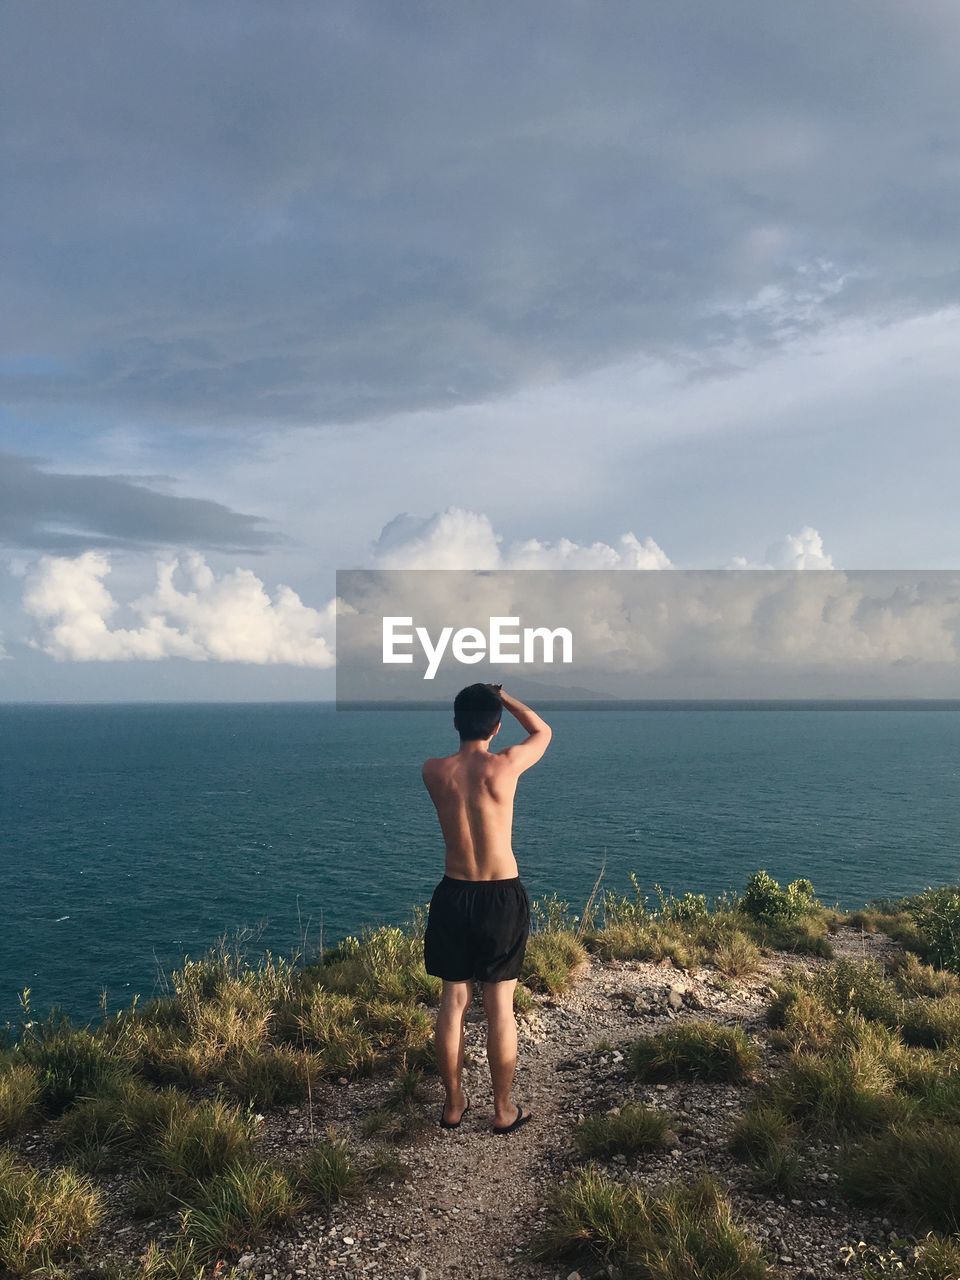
473 1199
469 1202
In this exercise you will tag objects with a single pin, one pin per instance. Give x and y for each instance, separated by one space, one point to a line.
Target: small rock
245 1262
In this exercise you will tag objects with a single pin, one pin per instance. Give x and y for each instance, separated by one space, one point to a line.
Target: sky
293 288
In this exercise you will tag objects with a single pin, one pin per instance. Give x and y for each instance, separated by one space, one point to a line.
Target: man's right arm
539 733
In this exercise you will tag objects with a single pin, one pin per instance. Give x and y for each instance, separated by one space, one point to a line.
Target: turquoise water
135 834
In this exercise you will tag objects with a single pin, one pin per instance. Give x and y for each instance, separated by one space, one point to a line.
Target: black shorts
477 929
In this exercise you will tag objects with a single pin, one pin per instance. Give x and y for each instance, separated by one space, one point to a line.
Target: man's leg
501 1047
454 1003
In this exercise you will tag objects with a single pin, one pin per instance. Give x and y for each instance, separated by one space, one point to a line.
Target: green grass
730 935
852 1088
273 1077
760 1132
631 1130
201 1142
552 958
69 1064
43 1217
764 1137
20 1093
329 1173
912 1170
697 1050
233 1211
182 1261
684 1232
874 1065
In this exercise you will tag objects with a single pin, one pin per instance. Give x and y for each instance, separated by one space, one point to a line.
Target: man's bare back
473 792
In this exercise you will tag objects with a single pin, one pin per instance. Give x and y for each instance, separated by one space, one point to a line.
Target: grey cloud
55 511
250 212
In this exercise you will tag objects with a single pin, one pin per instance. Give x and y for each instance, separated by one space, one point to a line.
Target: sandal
522 1118
453 1124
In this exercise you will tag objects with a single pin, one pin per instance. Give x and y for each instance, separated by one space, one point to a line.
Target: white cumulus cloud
459 539
190 613
803 550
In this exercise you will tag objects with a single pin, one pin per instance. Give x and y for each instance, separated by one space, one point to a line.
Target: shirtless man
480 914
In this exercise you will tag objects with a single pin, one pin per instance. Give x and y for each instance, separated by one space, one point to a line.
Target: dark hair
476 712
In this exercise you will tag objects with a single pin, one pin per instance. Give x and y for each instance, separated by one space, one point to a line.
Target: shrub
93 1133
690 908
267 1079
801 1019
645 939
19 1099
911 1169
702 1050
633 1129
551 959
235 1209
201 1142
936 915
914 979
765 900
384 963
736 954
683 1232
42 1216
852 1088
70 1064
933 1023
328 1172
760 1133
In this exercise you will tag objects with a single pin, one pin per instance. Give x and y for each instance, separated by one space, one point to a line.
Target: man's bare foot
510 1118
454 1107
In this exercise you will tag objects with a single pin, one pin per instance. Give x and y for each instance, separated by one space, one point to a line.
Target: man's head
476 712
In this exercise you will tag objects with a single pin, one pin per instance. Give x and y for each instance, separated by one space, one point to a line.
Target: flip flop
522 1118
453 1124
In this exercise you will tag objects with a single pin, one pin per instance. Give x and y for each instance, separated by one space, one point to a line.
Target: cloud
803 550
58 511
686 634
458 539
349 212
227 619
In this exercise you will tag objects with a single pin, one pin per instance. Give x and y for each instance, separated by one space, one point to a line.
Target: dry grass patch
43 1217
20 1094
684 1232
629 1131
698 1050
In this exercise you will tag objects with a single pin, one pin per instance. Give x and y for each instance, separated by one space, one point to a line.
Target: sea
135 834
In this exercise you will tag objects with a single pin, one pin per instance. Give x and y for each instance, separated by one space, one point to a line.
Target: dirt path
474 1199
